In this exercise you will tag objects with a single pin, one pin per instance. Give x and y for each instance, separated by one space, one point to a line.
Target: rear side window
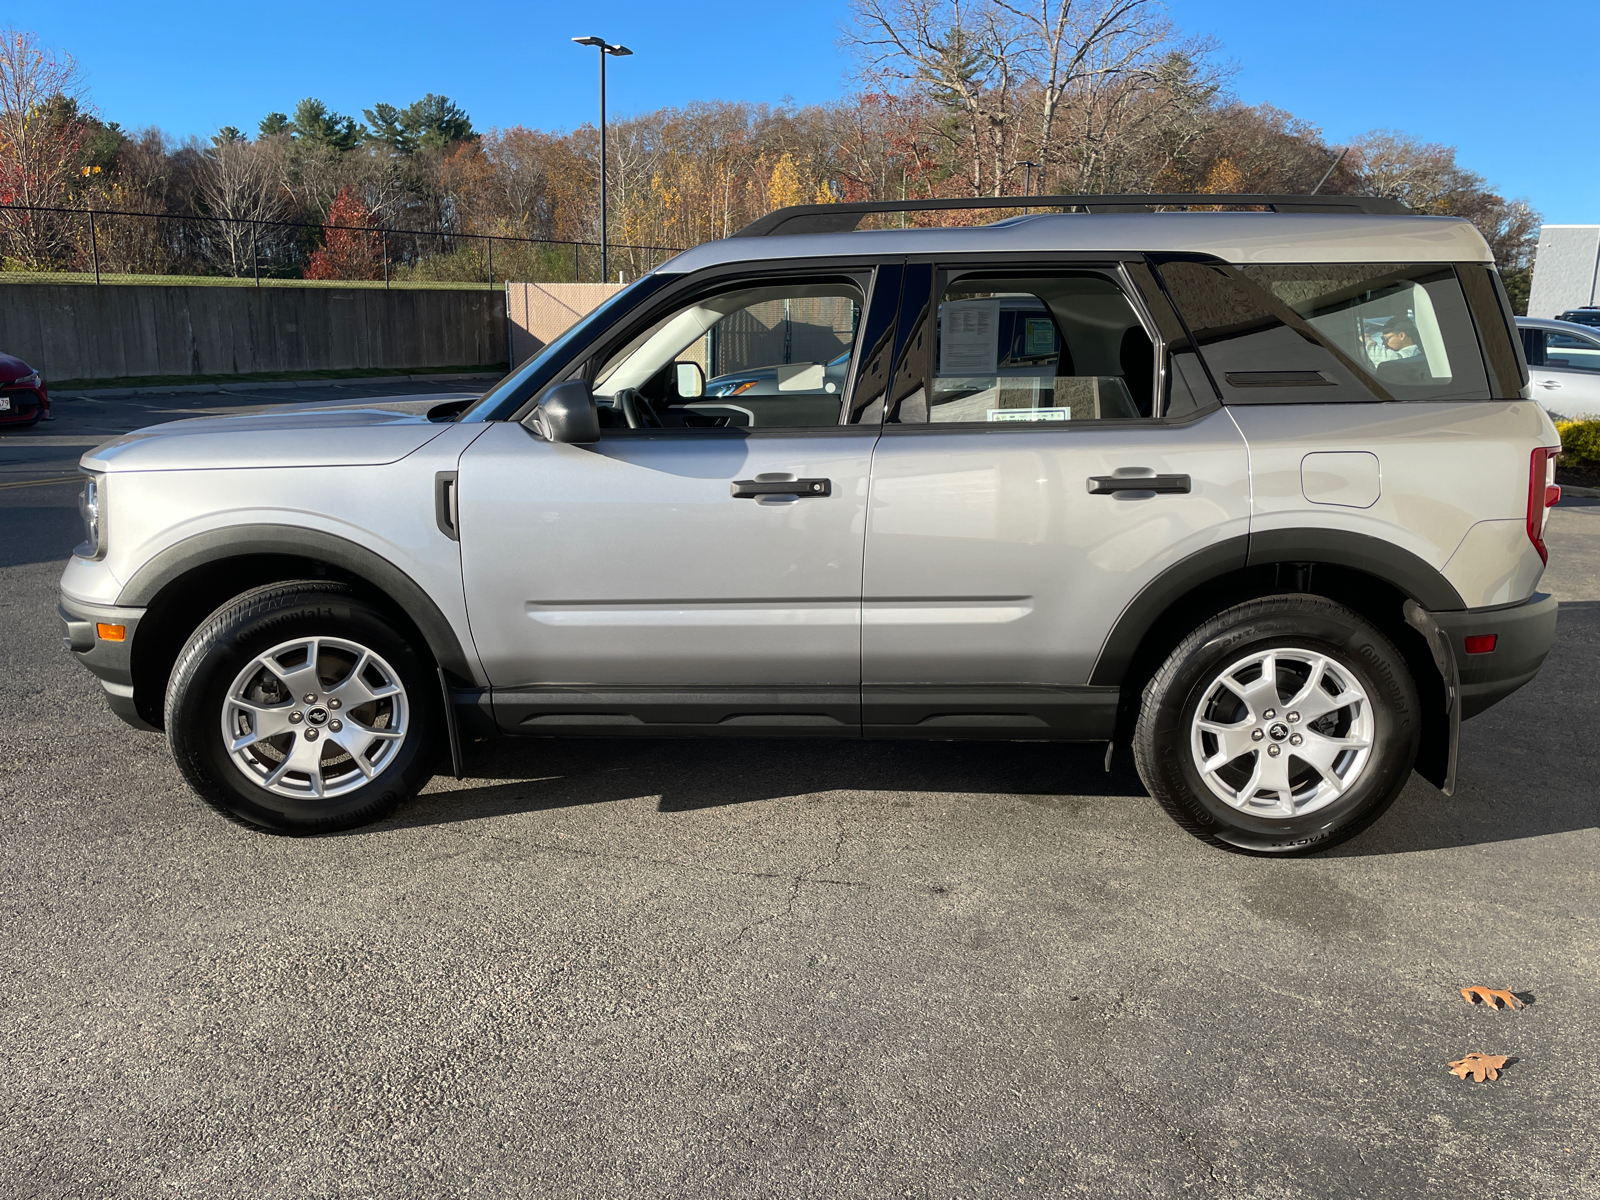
1331 332
1571 351
1036 348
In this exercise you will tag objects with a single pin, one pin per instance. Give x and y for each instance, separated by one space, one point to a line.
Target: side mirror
566 413
691 380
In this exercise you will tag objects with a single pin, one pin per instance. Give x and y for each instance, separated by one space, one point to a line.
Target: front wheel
1281 726
297 708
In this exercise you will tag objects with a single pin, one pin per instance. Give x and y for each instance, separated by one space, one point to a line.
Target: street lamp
1027 184
618 51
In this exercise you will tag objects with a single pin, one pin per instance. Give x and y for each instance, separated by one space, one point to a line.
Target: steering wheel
637 411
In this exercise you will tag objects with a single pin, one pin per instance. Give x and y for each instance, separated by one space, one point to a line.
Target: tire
1210 720
366 741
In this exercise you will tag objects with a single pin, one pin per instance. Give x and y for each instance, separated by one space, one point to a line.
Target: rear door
1564 369
1052 447
699 571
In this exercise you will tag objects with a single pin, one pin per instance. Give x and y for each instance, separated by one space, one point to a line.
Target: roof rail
843 217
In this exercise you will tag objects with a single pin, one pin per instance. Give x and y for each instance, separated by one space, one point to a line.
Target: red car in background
23 399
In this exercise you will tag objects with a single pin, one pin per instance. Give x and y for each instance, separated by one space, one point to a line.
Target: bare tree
41 132
1068 46
998 62
964 55
239 182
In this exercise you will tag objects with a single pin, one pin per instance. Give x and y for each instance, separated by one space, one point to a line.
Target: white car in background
1563 366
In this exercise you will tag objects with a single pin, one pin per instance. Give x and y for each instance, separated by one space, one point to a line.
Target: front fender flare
241 541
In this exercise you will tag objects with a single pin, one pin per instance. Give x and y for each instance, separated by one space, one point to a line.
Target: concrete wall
1566 270
79 331
538 313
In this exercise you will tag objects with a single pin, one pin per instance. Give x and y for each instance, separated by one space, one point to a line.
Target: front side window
1037 348
764 356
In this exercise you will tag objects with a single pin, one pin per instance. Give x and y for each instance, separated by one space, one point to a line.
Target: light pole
619 51
1027 180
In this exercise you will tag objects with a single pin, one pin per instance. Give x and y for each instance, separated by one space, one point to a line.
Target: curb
265 385
1586 493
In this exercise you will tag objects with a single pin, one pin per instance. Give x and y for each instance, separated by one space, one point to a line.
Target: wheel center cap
319 716
1277 732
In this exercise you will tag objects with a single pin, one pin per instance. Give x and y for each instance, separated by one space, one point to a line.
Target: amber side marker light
119 633
1481 643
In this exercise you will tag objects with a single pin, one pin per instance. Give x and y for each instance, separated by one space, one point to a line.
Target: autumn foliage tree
351 251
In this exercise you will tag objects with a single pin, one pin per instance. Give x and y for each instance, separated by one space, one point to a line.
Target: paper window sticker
969 337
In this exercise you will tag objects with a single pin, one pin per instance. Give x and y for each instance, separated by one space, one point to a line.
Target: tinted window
1037 348
1572 351
758 356
1322 333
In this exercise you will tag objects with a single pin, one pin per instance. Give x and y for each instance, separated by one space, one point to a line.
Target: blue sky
1509 92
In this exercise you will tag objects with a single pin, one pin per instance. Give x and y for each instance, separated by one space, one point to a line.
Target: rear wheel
297 708
1281 726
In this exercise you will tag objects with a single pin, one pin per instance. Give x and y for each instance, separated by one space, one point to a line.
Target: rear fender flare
1372 556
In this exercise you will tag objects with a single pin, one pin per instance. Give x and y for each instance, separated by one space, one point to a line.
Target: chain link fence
82 245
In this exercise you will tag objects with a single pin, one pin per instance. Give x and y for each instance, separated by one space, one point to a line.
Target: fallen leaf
1479 1066
1472 995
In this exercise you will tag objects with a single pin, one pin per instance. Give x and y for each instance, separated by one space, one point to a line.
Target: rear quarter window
1327 333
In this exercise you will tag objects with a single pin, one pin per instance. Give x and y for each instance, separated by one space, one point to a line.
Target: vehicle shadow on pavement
688 776
1527 767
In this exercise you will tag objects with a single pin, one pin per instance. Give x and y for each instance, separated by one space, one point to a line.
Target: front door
1045 460
699 568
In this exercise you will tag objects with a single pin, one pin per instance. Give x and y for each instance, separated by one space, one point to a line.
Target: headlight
29 380
91 504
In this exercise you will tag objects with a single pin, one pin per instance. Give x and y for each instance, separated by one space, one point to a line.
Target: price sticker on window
1039 337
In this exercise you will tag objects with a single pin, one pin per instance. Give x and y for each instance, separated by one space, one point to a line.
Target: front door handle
1550 383
1101 485
749 489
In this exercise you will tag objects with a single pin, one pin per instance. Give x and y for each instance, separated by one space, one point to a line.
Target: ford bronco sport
1260 494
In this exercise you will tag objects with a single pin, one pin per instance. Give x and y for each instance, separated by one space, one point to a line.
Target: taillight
1543 495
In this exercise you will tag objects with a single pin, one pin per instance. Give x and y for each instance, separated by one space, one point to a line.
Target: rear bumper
111 662
1523 635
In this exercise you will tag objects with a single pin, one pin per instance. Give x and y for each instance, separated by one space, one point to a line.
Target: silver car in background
1563 366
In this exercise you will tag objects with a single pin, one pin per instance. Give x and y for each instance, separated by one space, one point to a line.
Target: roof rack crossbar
843 217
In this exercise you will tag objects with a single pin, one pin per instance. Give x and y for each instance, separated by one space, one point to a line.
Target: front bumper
25 404
111 662
1523 635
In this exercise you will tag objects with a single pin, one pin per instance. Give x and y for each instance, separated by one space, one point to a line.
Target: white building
1566 272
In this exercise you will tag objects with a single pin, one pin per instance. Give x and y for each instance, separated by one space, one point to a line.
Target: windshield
508 395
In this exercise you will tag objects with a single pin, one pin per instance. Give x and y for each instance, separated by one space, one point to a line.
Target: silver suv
1258 494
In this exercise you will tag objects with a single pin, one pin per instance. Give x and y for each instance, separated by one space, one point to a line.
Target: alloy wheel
1282 733
315 718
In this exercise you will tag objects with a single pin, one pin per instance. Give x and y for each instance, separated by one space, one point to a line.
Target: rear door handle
1100 485
749 489
1549 383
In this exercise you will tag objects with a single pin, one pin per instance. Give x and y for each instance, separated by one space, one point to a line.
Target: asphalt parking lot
771 969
